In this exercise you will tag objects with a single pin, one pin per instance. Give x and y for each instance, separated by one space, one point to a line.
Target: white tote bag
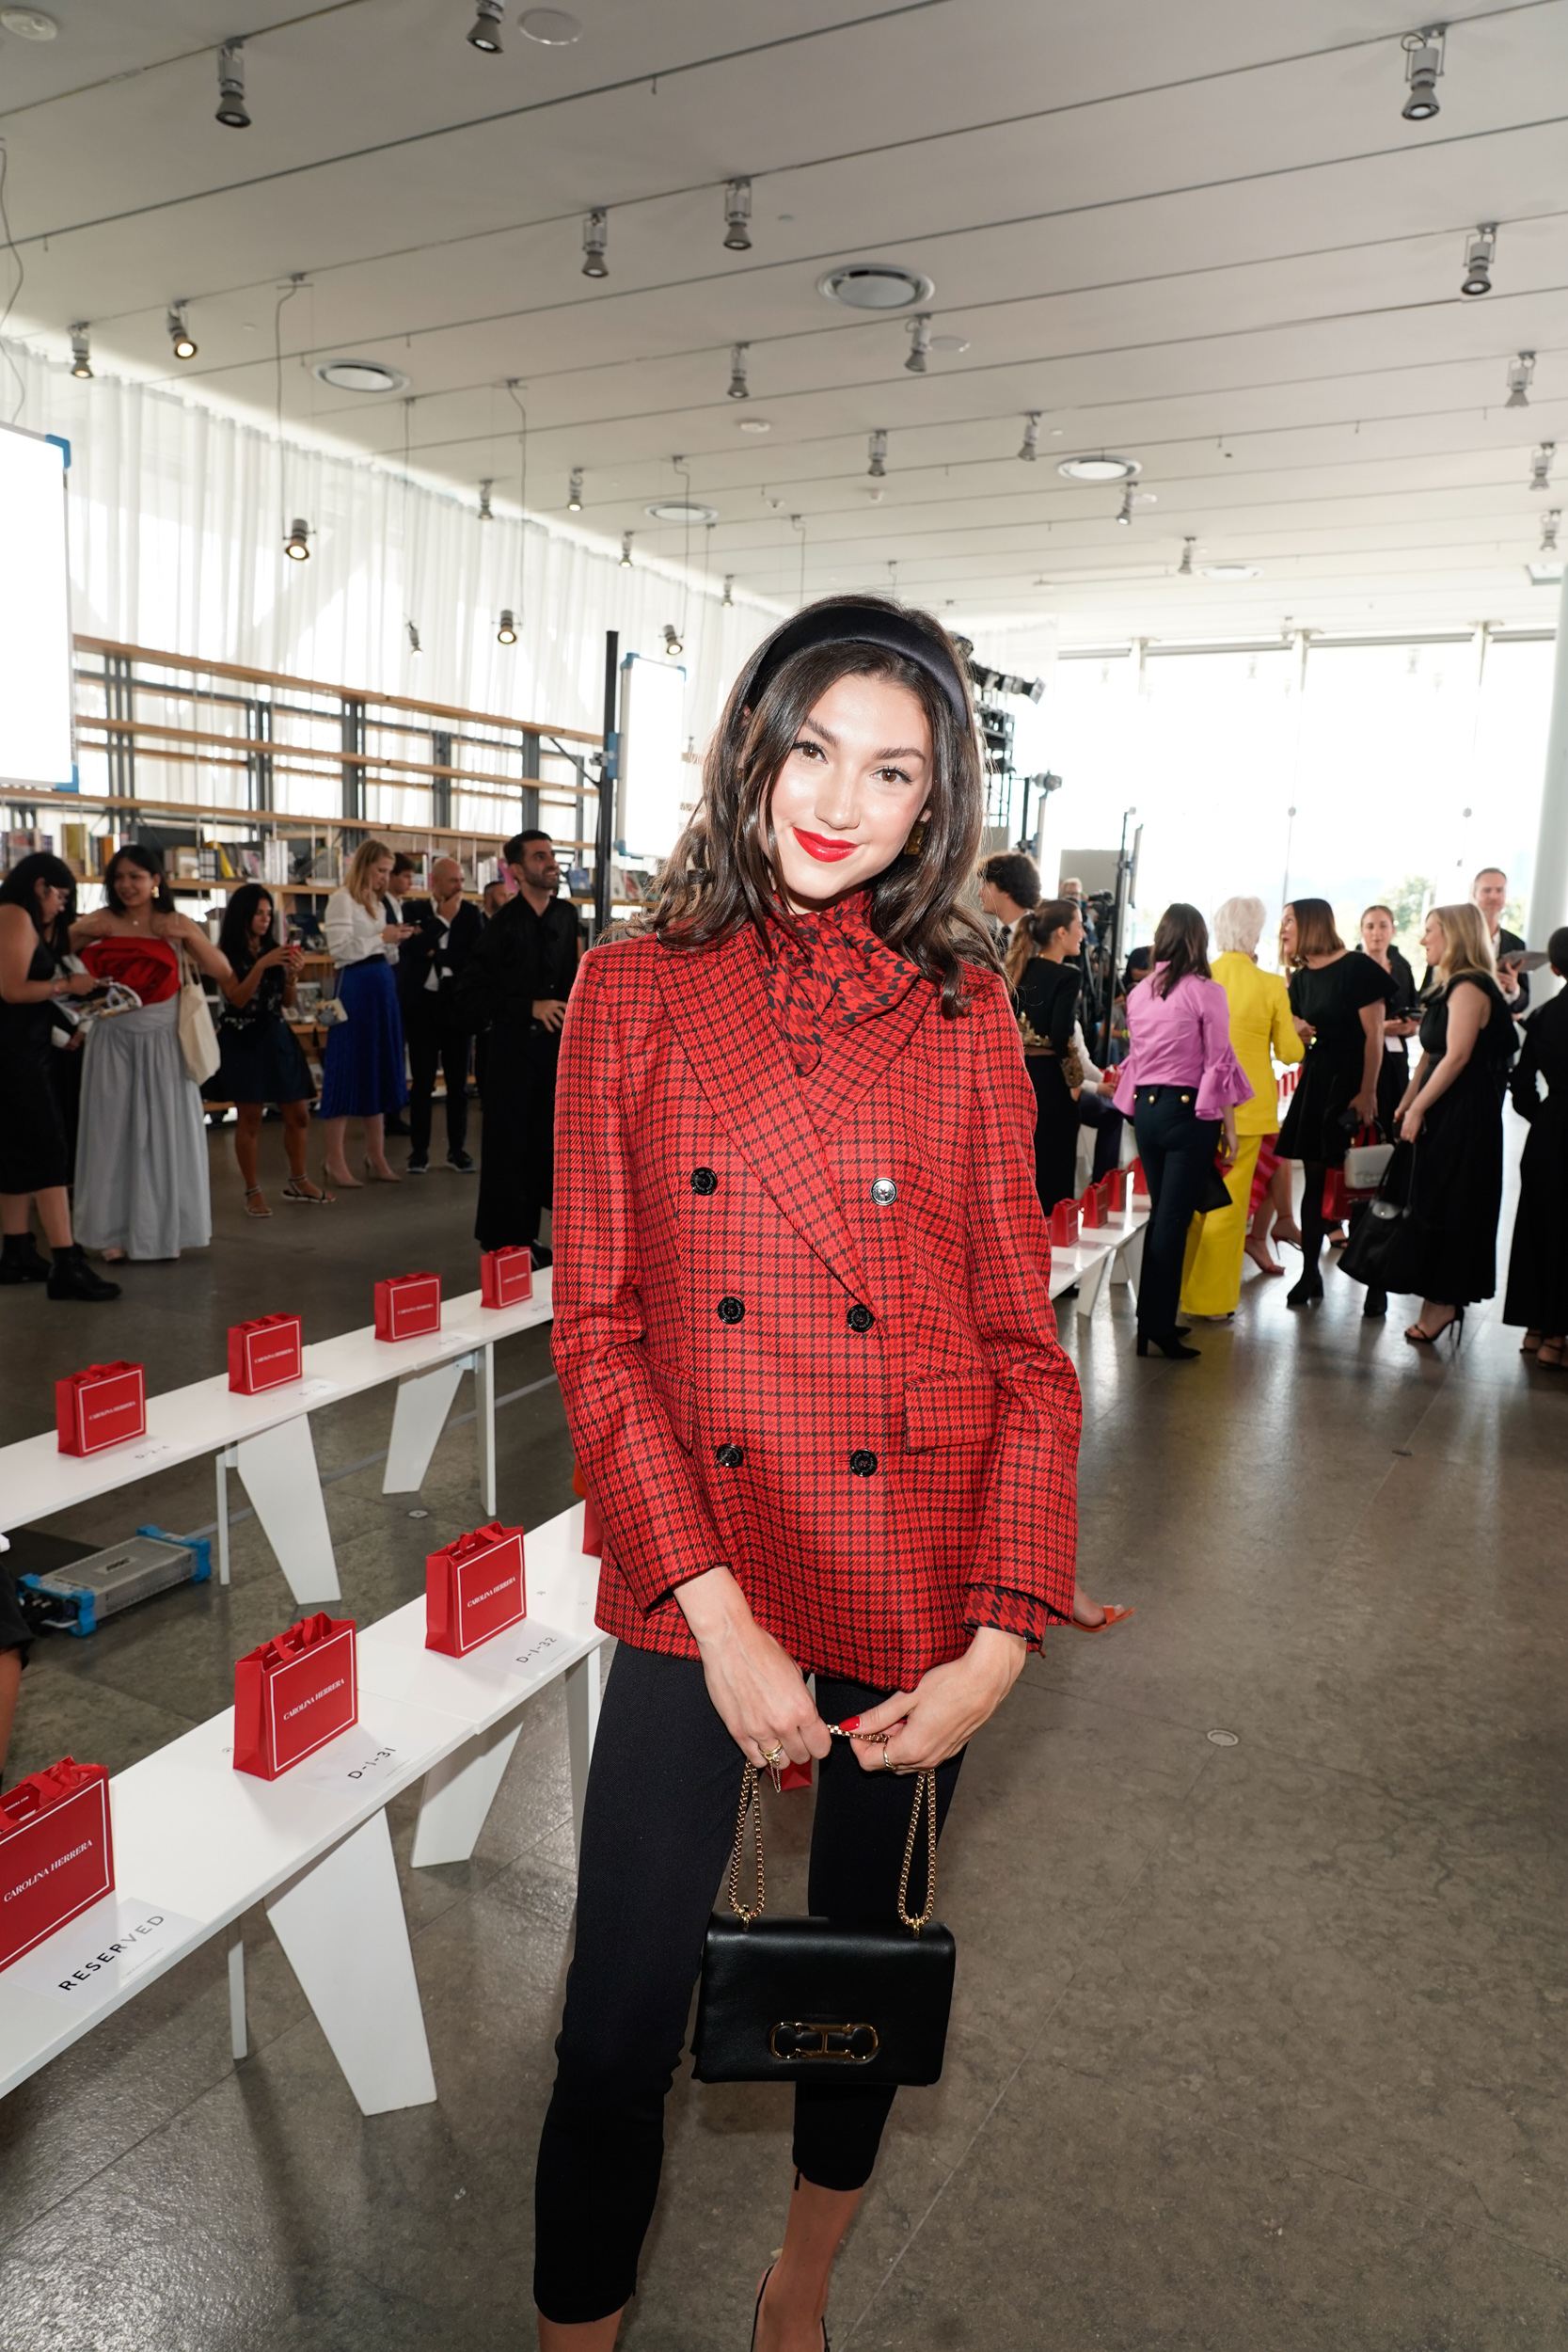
199 1038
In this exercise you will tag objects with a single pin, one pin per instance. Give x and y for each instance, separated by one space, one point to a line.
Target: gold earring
916 840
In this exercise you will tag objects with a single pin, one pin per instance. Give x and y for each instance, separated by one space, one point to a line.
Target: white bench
1113 1251
197 1844
267 1439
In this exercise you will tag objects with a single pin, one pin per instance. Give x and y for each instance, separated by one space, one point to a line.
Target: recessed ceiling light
360 376
31 23
555 28
682 511
756 425
1228 571
950 342
1100 468
876 286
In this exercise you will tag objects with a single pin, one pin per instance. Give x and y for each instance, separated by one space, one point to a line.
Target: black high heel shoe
1168 1344
1302 1294
1455 1324
757 2313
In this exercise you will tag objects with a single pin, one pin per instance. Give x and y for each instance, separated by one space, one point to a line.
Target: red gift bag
506 1276
794 1776
266 1354
1088 1209
1115 1189
294 1694
101 1406
407 1306
57 1855
1064 1224
473 1587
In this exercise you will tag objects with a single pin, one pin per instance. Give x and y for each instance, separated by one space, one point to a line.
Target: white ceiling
1199 235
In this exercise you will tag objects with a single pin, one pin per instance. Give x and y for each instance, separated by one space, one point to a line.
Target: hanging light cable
511 384
296 535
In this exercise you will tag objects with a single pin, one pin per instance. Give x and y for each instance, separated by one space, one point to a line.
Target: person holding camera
262 1062
38 899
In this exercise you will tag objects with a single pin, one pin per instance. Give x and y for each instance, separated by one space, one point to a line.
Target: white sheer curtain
178 520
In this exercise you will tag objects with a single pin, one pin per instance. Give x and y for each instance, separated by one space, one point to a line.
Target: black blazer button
728 1457
861 1463
731 1309
859 1318
704 1181
884 1192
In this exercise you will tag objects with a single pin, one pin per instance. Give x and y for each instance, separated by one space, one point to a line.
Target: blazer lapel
832 1090
719 1011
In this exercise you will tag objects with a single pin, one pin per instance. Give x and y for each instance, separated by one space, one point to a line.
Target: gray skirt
141 1148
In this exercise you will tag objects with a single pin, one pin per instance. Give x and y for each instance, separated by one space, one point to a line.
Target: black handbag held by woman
783 1998
1389 1242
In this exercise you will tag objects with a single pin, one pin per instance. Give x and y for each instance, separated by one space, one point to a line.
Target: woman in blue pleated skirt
362 1074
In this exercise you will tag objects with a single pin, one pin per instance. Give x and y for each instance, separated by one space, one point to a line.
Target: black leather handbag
1389 1242
781 1999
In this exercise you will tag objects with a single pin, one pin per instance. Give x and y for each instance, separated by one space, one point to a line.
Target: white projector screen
36 736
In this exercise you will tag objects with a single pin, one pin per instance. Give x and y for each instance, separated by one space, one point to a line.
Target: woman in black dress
1537 1262
1337 1000
1402 1015
1045 991
1454 1104
261 1058
38 899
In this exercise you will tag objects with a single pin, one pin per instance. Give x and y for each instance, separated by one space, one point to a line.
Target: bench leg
484 1401
457 1794
418 1417
1129 1260
1089 1283
582 1723
239 2037
225 1459
279 1472
342 1931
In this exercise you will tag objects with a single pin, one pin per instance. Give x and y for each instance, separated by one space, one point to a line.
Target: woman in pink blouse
1179 1084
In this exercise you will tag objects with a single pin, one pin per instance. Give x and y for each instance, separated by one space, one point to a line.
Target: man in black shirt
1490 892
518 980
446 931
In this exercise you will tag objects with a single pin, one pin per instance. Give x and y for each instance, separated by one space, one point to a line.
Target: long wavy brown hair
720 876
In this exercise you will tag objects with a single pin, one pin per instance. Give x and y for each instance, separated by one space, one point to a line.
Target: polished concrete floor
1256 2047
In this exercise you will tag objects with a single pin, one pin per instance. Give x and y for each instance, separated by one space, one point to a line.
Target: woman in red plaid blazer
811 1372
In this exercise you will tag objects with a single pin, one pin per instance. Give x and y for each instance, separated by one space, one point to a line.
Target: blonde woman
1262 1031
362 1074
1452 1111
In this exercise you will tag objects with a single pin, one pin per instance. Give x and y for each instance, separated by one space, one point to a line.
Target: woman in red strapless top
141 1151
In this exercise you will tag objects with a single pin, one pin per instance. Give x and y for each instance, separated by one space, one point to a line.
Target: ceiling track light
1541 466
595 241
739 388
1520 371
727 601
485 34
574 492
1184 569
1124 513
1481 251
297 545
920 342
485 490
877 451
506 633
1030 448
672 639
1423 63
626 538
81 350
178 333
738 216
231 106
1549 522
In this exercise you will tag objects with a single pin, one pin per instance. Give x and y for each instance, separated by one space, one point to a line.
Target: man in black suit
446 932
1490 892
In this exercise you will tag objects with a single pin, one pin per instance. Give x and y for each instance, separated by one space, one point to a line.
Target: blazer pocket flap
679 1399
956 1411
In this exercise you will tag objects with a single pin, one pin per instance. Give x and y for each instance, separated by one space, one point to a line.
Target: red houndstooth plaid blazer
801 1323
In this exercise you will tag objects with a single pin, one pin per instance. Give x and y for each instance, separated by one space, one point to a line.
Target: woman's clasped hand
915 1730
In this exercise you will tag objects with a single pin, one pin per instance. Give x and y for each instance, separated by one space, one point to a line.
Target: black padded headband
852 623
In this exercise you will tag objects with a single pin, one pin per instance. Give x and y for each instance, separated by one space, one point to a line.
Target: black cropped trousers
659 1825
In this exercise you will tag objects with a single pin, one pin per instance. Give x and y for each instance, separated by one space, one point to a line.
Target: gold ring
772 1755
888 1764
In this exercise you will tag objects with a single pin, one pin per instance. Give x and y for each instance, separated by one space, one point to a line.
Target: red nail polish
850 1722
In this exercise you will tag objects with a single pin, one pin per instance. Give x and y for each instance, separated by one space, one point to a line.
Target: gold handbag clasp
847 2045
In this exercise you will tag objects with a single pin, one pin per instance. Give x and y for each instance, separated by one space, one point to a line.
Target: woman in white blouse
362 1075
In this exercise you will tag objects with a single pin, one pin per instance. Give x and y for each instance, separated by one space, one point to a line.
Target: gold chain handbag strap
749 1795
926 1785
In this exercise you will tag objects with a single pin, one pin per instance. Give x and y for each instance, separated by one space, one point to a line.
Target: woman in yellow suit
1260 1025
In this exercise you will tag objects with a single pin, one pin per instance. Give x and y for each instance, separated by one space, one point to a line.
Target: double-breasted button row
728 1457
884 1192
859 1318
704 1181
731 1309
861 1463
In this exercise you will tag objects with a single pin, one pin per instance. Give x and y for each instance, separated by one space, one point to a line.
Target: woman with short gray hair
1261 1029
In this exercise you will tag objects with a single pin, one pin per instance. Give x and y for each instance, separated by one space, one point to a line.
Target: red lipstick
823 847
